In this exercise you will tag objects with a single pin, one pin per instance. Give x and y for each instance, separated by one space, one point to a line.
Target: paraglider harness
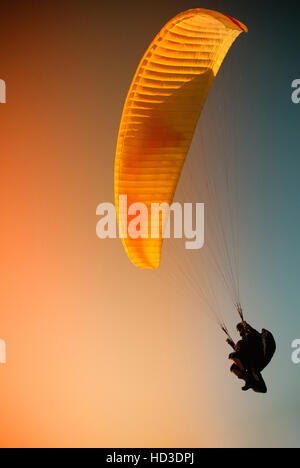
251 354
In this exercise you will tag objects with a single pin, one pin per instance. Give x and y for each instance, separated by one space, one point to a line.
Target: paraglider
159 119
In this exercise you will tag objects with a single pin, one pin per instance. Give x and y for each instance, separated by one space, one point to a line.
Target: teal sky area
268 61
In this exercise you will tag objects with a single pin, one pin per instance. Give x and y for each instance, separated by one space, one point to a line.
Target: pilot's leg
238 372
237 358
257 382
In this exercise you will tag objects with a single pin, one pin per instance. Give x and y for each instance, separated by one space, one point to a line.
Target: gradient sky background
100 353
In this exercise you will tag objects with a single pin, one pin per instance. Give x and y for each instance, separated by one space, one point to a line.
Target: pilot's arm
231 343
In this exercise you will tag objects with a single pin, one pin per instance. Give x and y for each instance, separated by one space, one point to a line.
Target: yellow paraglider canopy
161 112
